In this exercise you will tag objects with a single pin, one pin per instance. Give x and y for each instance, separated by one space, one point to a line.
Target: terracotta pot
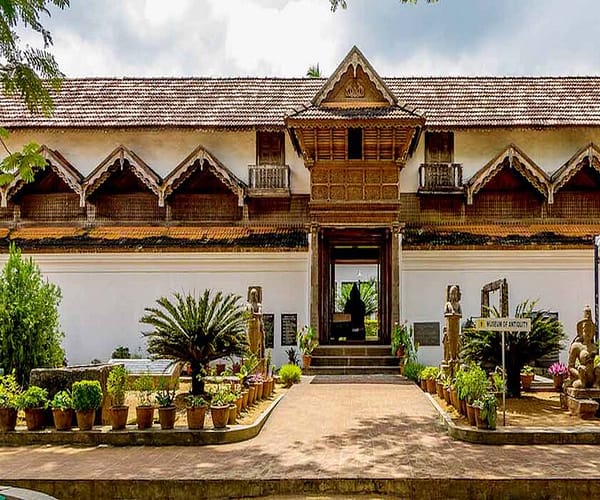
251 394
85 419
259 391
8 419
35 418
220 368
463 407
447 395
232 414
236 367
63 419
144 416
195 417
220 416
424 384
238 405
244 399
471 414
166 417
431 385
454 398
306 359
481 424
526 380
118 417
267 388
439 389
558 382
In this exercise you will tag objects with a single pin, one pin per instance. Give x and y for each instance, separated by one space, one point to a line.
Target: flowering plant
558 369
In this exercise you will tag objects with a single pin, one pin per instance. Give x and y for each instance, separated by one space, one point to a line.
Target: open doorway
355 286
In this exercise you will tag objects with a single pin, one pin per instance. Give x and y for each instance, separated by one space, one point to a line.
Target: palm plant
197 330
368 294
485 347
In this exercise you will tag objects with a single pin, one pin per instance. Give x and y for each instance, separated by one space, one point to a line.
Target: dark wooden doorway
360 246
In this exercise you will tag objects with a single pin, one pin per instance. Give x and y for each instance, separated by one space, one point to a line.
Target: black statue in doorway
356 308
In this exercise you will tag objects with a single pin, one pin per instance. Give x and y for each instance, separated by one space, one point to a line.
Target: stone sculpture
583 374
452 316
256 329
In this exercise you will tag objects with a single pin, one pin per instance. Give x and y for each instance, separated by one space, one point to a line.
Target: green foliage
498 384
307 339
344 4
29 72
314 71
165 396
197 330
475 383
121 352
30 335
222 397
430 373
9 390
368 294
86 394
195 401
116 384
545 338
403 340
489 407
292 355
459 383
23 162
290 375
413 370
144 386
33 397
62 401
527 370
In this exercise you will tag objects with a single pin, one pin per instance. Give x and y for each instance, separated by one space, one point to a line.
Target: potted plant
9 390
403 346
87 398
460 401
196 411
307 343
526 377
429 374
116 386
439 385
34 402
144 411
219 408
559 372
167 412
62 410
476 384
486 408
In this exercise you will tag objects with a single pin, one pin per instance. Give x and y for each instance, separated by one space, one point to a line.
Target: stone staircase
353 360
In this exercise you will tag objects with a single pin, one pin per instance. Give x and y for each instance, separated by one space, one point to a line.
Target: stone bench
583 408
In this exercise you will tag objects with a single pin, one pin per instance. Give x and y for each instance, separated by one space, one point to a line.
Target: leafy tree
30 335
343 3
368 294
28 72
197 330
485 347
314 71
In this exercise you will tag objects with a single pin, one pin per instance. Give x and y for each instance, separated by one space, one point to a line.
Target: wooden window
355 146
439 147
270 148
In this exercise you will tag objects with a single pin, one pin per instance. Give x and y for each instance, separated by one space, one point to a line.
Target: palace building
305 187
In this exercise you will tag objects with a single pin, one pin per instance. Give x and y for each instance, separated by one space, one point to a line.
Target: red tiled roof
264 102
504 230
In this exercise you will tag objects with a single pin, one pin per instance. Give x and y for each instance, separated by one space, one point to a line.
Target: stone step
352 370
354 361
353 350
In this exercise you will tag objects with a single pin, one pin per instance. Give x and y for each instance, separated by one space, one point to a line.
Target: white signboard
503 324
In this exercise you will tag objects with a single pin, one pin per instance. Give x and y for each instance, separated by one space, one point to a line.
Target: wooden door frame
380 237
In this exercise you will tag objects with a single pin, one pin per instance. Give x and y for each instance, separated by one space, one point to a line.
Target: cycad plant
485 347
197 330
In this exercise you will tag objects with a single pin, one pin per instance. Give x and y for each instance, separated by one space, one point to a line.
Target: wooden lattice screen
129 207
204 207
51 207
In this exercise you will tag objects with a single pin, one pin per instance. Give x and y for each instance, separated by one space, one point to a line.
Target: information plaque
289 326
427 333
269 322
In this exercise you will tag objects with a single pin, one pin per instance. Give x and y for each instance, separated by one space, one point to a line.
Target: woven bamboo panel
205 207
7 214
505 205
440 209
129 207
576 205
51 207
292 210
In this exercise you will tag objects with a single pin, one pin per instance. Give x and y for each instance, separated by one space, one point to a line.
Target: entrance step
353 359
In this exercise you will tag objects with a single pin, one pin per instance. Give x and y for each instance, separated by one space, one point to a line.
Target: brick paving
337 431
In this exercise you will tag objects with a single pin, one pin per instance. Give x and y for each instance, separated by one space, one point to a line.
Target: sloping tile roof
264 102
389 113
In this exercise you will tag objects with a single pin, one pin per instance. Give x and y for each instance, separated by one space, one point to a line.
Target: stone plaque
289 327
269 322
427 333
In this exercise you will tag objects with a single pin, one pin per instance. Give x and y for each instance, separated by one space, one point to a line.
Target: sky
284 37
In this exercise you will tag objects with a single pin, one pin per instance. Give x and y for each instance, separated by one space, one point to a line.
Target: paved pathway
318 431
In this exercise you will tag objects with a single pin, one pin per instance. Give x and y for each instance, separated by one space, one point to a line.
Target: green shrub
412 371
62 401
30 334
33 397
116 384
476 383
290 375
489 407
195 401
9 390
144 386
430 373
87 395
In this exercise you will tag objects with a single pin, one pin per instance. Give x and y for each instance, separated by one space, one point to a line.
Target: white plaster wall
561 281
161 149
104 295
548 148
